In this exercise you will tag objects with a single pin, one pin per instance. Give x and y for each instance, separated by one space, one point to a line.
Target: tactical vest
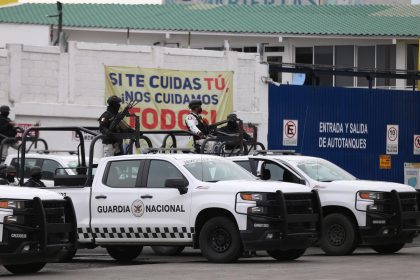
202 126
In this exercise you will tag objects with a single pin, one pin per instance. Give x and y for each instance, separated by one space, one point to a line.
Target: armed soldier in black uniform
111 121
8 130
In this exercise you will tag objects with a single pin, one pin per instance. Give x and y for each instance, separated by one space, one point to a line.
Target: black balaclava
37 176
114 108
11 177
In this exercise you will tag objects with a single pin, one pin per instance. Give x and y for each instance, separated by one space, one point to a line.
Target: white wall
36 35
43 85
4 75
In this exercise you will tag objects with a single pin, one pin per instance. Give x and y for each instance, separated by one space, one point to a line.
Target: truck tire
388 248
287 255
25 268
339 236
124 253
220 241
167 250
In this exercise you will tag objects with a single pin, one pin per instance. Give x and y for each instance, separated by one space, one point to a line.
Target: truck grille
299 203
55 211
401 204
293 212
58 219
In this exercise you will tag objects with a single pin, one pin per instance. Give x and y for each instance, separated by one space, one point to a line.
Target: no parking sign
392 134
416 144
290 132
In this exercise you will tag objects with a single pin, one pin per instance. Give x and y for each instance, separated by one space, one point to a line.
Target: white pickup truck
190 200
37 226
50 164
382 215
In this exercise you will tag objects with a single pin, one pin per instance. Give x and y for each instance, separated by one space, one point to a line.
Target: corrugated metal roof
355 20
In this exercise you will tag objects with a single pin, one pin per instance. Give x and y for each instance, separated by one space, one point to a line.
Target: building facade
363 37
290 2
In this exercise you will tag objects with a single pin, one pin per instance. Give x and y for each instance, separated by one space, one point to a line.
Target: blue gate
346 126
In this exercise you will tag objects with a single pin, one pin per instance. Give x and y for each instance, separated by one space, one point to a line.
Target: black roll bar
78 130
116 136
33 140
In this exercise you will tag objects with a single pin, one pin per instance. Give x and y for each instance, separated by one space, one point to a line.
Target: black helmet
35 170
4 109
232 117
195 103
114 100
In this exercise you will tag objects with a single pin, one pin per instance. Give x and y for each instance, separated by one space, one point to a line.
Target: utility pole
59 39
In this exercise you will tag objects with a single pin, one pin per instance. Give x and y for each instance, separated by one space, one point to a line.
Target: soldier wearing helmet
7 130
35 180
232 127
111 147
8 175
196 124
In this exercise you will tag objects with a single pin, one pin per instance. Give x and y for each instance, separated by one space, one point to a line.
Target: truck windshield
217 170
324 171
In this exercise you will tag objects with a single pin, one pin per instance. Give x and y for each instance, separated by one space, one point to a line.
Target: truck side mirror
180 184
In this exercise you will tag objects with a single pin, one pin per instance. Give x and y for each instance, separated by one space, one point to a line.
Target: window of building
304 55
250 49
344 59
236 49
274 74
324 55
412 60
365 60
274 49
385 60
213 48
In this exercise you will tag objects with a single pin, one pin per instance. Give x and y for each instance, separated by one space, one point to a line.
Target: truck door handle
100 196
147 196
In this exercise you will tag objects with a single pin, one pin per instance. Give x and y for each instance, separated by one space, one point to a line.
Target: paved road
96 264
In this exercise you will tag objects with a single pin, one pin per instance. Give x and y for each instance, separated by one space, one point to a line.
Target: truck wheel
167 250
25 268
339 235
286 255
220 241
388 248
124 253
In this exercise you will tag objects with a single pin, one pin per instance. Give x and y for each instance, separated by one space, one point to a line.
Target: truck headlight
252 196
12 204
10 219
371 195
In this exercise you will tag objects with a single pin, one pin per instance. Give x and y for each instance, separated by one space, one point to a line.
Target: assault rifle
118 119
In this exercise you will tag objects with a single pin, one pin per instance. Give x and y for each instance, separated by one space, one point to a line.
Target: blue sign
347 126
